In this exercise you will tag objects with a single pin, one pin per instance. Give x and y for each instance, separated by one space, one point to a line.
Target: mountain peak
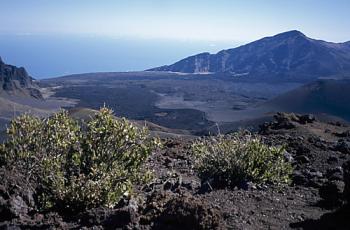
288 54
290 34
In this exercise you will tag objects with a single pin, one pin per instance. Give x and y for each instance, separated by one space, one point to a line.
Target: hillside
321 97
289 54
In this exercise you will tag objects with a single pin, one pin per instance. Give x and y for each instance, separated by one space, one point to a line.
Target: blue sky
211 20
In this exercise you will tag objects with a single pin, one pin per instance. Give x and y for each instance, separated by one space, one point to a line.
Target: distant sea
50 56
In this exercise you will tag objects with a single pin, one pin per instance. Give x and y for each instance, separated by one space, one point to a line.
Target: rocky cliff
15 80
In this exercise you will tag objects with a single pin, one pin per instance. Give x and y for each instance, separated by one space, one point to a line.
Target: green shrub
79 169
232 159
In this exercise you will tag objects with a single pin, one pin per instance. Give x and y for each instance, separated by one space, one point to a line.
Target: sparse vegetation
232 159
78 168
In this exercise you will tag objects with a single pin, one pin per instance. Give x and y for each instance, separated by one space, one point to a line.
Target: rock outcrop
15 80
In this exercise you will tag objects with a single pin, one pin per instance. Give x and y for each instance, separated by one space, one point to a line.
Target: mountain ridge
288 54
16 81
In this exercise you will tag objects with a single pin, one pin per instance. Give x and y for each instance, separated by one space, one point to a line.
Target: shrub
79 169
232 159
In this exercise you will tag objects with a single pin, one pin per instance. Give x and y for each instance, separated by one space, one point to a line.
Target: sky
208 20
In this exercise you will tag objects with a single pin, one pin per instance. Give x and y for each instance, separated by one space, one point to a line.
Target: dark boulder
342 146
285 121
309 118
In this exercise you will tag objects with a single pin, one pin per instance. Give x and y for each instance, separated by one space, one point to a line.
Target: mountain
16 81
320 97
289 54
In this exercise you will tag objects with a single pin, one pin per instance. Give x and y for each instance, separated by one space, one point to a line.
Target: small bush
78 169
232 159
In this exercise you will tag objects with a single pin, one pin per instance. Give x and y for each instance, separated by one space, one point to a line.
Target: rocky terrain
289 55
176 198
